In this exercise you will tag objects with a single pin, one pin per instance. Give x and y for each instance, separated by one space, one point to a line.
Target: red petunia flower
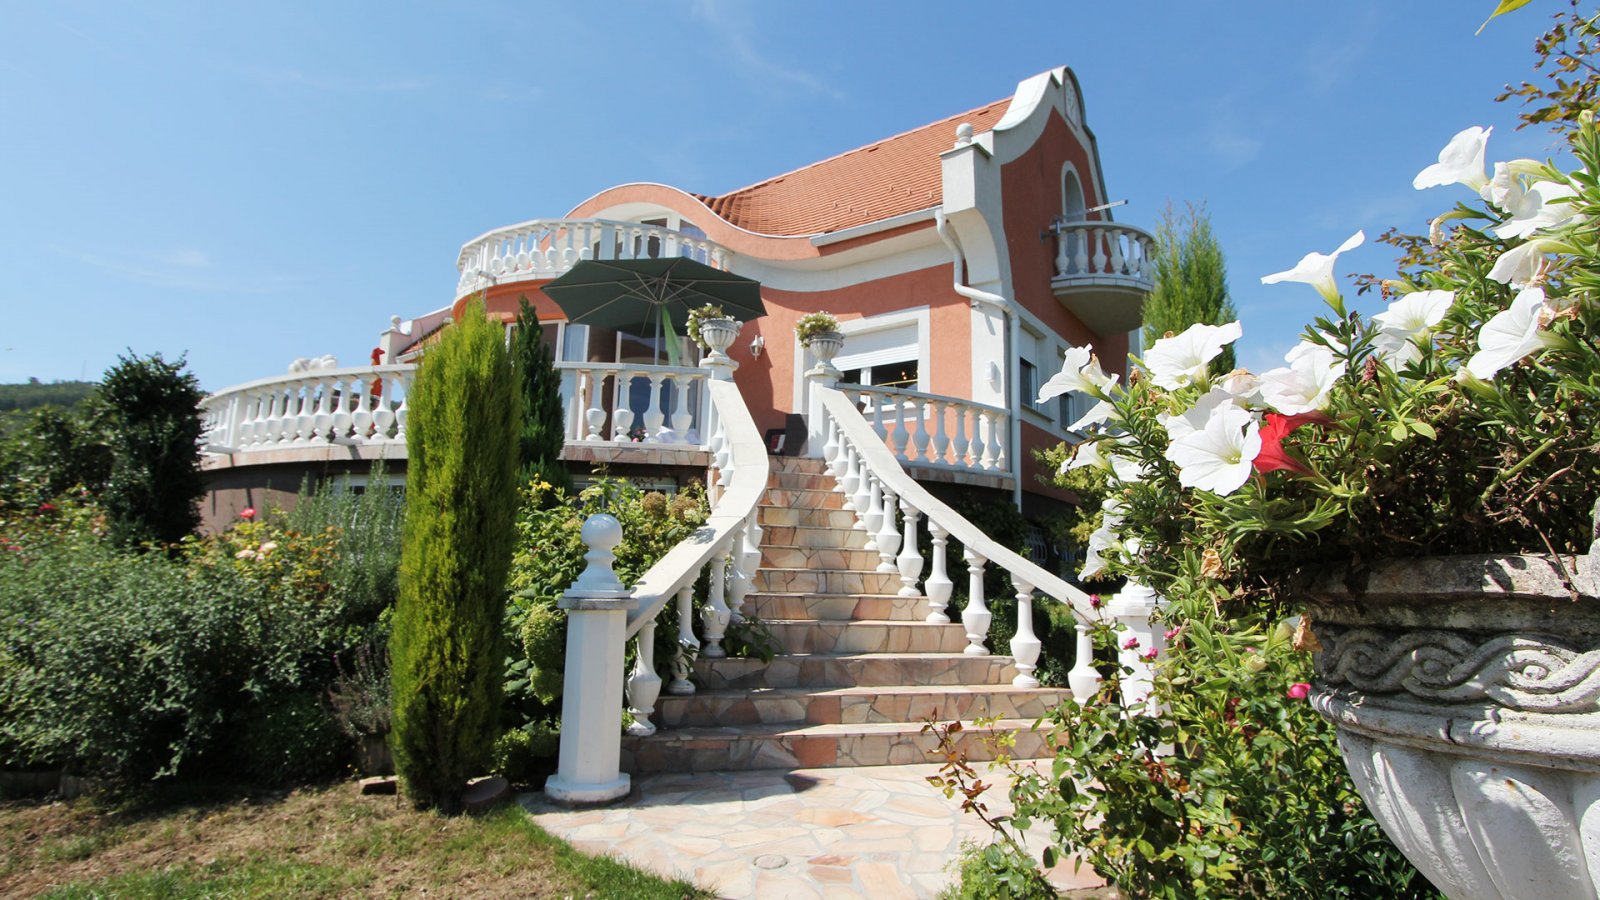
1278 427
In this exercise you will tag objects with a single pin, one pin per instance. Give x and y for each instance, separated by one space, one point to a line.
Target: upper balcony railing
545 248
1103 272
934 431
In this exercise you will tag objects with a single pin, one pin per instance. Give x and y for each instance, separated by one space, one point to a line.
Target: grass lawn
312 842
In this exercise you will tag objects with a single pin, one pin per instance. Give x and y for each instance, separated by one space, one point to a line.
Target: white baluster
1099 260
402 410
959 445
986 439
941 441
1080 250
862 501
910 560
878 425
383 412
976 617
872 520
830 450
1063 258
653 416
682 419
621 405
595 416
361 415
714 616
1115 236
742 579
322 418
920 410
688 645
901 437
344 405
1025 646
1001 438
851 480
644 685
938 586
888 535
1083 679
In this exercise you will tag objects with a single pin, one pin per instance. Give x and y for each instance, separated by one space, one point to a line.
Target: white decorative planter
719 335
825 346
1466 693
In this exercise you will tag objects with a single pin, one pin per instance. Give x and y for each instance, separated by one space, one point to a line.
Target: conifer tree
1191 280
544 422
151 412
447 649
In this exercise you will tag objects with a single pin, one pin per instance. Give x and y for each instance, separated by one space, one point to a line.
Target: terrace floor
880 832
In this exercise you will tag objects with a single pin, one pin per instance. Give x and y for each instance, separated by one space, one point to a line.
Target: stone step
812 536
855 705
835 607
797 464
803 499
815 518
826 581
830 558
793 481
867 636
823 670
744 747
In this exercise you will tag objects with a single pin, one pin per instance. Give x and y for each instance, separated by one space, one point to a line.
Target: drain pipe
1012 341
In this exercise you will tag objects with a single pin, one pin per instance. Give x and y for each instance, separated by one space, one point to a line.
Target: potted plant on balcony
712 329
1421 483
819 333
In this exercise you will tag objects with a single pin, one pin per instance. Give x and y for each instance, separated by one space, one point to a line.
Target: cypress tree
446 649
151 411
544 421
1191 280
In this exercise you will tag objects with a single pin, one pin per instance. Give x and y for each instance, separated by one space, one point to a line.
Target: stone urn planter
1466 694
825 346
719 335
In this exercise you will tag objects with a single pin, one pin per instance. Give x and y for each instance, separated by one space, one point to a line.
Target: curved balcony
1103 272
545 248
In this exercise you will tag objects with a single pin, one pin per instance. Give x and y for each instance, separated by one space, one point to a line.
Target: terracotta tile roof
896 175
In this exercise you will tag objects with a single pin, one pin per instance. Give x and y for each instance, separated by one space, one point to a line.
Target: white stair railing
603 615
855 448
934 431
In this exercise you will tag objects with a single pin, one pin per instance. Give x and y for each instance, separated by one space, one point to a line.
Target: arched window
1072 205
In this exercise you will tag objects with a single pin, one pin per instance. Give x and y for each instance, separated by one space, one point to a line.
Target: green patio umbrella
645 296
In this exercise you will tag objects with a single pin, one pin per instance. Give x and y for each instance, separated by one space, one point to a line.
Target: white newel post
1132 608
825 375
597 605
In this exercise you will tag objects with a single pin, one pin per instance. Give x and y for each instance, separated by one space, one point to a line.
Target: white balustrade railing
1100 250
357 405
545 248
622 402
934 431
868 472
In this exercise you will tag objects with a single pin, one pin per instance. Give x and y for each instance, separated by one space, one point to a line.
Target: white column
589 766
1132 609
821 375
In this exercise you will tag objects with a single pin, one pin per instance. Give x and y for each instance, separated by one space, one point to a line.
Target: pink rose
248 513
1130 643
1094 601
1151 653
1299 690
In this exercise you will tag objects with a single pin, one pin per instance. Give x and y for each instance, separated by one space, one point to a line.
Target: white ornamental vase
719 335
1466 695
825 346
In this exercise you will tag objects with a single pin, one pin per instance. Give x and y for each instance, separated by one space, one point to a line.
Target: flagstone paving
879 831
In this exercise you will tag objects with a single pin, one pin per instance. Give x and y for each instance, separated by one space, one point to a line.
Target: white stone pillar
1136 638
823 374
597 605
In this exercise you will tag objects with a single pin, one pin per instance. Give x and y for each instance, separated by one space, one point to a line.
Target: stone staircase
860 671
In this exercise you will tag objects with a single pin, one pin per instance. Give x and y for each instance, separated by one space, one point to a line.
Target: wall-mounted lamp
757 344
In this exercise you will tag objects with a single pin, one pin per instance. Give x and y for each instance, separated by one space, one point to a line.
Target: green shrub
544 419
152 421
447 649
522 755
289 738
997 872
363 569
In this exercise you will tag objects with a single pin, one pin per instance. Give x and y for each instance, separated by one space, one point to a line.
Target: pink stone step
815 518
867 636
788 464
835 607
803 499
826 581
742 747
812 536
811 481
832 558
856 705
854 670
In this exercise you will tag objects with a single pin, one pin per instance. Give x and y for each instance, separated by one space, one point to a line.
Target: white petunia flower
1243 384
1218 457
1460 162
1406 318
1181 359
1511 335
1088 455
1127 469
1304 385
1544 205
1180 424
1097 415
1080 371
1521 264
1316 269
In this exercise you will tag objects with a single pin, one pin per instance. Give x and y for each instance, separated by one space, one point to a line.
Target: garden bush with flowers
1459 412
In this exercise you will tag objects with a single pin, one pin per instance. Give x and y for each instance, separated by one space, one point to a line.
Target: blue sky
250 183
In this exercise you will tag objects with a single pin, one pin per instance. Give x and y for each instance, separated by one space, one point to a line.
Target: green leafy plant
699 316
1191 280
151 409
813 324
447 649
544 422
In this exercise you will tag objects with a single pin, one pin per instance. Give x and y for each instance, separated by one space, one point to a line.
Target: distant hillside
21 397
